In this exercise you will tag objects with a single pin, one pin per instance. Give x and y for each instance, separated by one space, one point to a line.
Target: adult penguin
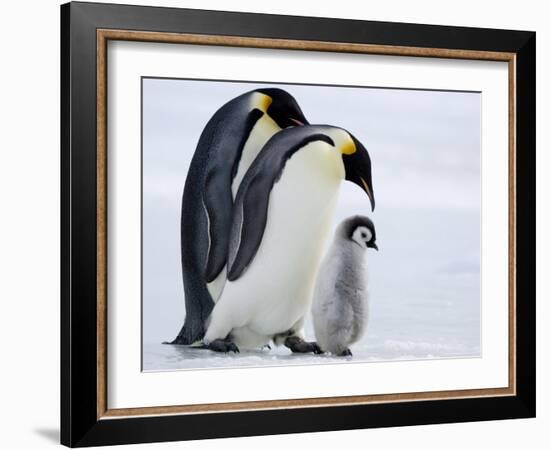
283 212
227 146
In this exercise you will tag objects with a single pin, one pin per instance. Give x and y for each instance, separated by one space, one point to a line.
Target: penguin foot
297 345
222 346
178 341
346 352
187 335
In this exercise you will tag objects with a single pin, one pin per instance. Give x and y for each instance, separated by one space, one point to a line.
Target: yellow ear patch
263 102
348 147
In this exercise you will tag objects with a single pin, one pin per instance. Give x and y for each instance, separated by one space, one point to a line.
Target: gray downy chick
340 301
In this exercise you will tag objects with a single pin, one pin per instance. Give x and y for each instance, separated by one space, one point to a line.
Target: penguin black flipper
252 200
207 208
207 202
217 199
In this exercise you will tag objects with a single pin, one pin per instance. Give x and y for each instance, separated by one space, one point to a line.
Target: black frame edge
526 223
79 232
230 23
302 420
65 417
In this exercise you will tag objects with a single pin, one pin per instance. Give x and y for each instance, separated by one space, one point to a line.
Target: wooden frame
86 28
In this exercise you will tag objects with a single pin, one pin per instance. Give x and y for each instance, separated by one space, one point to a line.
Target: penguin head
361 231
358 168
353 156
283 109
356 159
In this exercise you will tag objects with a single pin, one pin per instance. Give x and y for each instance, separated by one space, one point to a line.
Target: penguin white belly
215 287
262 131
276 289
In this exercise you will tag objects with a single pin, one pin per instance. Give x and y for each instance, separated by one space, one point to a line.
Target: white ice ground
380 344
424 283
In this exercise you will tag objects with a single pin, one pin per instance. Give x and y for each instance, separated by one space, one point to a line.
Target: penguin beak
358 169
373 245
298 122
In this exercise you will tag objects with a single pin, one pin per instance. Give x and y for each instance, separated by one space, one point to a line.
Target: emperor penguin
340 300
229 143
282 215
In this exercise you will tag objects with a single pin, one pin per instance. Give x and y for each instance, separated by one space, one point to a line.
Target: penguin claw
316 349
298 345
232 347
346 352
222 346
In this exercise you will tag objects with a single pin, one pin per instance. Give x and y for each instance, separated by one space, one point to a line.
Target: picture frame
86 419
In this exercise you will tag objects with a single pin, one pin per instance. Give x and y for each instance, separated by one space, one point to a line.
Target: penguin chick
340 301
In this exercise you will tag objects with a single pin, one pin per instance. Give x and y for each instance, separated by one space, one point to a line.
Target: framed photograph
277 224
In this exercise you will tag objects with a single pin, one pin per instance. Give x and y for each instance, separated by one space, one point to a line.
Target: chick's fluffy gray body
340 305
